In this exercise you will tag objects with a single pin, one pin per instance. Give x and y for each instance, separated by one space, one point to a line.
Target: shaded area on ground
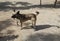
23 3
4 24
5 6
43 37
10 31
8 38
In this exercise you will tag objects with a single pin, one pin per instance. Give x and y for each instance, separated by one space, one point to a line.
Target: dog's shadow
40 27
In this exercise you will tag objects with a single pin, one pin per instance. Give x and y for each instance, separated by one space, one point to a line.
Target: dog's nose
37 12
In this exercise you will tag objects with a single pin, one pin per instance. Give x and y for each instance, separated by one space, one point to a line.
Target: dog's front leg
35 23
17 22
32 24
21 23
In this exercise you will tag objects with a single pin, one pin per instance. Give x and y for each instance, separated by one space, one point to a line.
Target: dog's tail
37 12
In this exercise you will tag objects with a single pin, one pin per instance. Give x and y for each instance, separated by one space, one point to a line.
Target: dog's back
25 16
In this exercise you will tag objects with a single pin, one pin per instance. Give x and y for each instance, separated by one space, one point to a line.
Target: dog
25 17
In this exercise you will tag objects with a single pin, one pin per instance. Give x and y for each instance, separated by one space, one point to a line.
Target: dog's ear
18 12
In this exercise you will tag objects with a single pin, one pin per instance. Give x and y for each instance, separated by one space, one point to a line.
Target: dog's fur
25 17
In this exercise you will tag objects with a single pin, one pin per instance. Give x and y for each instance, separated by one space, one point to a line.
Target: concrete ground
47 25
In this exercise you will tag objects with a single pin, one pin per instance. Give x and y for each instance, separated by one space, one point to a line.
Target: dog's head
15 15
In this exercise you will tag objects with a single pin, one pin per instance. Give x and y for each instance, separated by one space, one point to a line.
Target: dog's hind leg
34 23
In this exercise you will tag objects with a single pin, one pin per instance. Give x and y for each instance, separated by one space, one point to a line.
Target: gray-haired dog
25 17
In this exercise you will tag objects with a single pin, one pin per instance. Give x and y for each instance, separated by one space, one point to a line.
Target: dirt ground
47 24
